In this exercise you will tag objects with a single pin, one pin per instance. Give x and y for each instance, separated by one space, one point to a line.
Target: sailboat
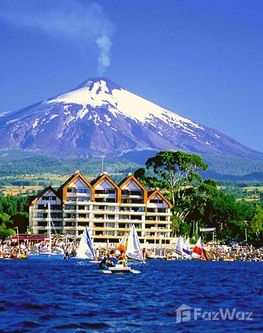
48 252
179 247
122 246
178 250
198 249
186 249
85 249
134 251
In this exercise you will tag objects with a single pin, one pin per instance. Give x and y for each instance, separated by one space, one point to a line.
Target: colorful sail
198 249
85 249
186 249
133 247
122 246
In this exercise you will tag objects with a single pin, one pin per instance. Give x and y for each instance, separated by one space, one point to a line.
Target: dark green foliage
200 203
13 213
229 168
44 164
172 170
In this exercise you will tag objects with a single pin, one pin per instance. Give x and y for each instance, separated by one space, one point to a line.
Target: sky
202 59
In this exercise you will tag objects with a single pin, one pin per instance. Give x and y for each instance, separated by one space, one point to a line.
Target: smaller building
107 208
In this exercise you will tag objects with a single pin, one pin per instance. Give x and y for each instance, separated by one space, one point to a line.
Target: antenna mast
102 164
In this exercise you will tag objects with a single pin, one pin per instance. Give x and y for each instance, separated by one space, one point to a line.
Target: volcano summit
101 118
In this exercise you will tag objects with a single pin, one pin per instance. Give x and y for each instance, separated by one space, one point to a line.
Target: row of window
87 199
78 190
106 191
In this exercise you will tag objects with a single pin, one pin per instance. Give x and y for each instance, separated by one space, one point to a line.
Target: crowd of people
234 252
15 249
12 249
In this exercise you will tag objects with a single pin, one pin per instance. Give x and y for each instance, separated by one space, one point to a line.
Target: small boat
48 253
133 250
119 268
85 249
186 249
156 256
200 252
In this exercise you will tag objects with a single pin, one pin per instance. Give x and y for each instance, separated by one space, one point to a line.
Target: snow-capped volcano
101 118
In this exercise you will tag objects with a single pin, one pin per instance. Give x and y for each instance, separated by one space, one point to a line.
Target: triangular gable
105 177
42 193
102 178
72 179
79 183
131 178
155 193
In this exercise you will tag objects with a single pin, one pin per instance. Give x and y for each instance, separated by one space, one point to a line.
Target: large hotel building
107 208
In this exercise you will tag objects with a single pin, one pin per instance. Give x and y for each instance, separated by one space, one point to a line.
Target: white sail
186 249
134 248
179 246
49 228
85 249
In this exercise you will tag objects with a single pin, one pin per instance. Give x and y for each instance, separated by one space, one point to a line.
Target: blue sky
201 59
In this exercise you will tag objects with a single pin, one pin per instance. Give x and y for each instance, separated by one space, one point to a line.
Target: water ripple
70 296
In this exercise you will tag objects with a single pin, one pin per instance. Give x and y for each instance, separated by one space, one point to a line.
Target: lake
74 296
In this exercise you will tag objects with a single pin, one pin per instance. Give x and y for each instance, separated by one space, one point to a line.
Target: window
41 215
70 216
57 223
70 207
135 217
56 215
99 200
41 224
56 207
106 191
71 199
99 192
82 216
70 224
136 193
110 200
99 225
158 201
83 199
98 216
83 190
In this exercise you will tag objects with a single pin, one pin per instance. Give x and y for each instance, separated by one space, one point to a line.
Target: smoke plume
79 22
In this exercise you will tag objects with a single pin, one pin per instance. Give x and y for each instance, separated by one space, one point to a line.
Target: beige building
107 208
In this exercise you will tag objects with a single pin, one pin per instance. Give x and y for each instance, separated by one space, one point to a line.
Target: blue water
71 296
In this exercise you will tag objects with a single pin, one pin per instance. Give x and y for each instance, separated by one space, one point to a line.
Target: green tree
4 218
257 221
4 230
173 171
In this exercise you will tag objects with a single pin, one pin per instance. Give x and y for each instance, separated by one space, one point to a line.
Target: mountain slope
100 118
